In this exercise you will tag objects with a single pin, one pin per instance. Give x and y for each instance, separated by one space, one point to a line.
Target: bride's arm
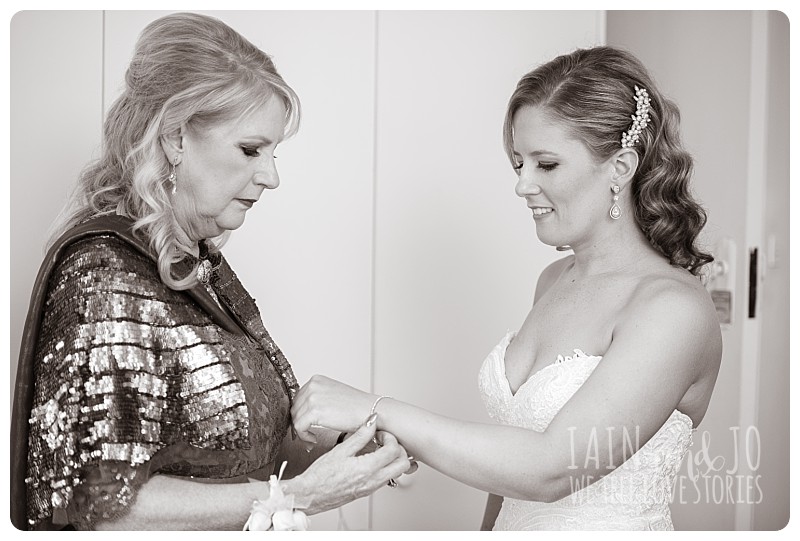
667 339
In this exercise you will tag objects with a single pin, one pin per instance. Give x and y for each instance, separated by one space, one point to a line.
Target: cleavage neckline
560 360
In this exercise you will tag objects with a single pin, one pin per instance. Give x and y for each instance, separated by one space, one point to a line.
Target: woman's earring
615 212
173 178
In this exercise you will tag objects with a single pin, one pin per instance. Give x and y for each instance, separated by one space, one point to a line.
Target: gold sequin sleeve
131 377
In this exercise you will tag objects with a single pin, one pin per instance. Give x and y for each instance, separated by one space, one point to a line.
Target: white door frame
754 231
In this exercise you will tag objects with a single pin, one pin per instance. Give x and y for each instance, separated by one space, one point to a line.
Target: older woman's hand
326 402
339 476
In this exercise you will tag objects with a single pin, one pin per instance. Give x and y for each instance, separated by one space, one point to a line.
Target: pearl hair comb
640 119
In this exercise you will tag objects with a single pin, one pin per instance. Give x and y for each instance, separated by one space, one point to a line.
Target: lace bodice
635 496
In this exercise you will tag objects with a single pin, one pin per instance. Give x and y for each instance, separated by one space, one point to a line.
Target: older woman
149 392
597 394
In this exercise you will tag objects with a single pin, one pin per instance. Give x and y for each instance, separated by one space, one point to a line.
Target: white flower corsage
277 512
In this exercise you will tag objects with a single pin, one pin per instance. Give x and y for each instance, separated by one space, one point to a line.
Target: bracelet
277 512
371 413
375 404
392 483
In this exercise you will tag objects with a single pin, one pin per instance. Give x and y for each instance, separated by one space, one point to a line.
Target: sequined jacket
121 377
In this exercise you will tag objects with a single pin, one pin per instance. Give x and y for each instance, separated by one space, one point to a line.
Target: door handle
752 286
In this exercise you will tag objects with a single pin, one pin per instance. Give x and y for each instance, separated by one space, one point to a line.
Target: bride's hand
326 402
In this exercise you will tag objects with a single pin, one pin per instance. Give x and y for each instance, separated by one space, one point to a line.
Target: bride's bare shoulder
677 303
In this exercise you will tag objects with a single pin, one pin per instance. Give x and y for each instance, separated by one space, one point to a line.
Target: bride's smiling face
558 177
225 168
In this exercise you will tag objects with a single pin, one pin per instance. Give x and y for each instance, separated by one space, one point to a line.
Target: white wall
56 117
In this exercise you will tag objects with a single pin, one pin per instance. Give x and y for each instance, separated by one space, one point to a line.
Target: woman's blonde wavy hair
592 92
187 70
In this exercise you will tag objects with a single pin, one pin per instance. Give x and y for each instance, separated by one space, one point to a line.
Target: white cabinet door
456 257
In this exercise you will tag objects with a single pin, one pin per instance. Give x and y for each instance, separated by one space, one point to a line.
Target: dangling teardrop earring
173 178
615 212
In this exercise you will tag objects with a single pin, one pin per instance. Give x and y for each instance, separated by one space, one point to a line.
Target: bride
596 395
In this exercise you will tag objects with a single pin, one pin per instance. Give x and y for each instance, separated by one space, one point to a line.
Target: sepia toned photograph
399 270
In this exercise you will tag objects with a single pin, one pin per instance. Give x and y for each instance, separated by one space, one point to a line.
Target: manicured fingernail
309 446
410 458
371 419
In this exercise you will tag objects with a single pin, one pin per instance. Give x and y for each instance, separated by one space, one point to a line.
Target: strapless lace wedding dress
635 496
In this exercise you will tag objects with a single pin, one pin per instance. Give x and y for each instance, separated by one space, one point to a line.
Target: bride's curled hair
188 70
592 92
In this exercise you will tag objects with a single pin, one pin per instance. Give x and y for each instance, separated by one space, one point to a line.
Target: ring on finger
392 483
